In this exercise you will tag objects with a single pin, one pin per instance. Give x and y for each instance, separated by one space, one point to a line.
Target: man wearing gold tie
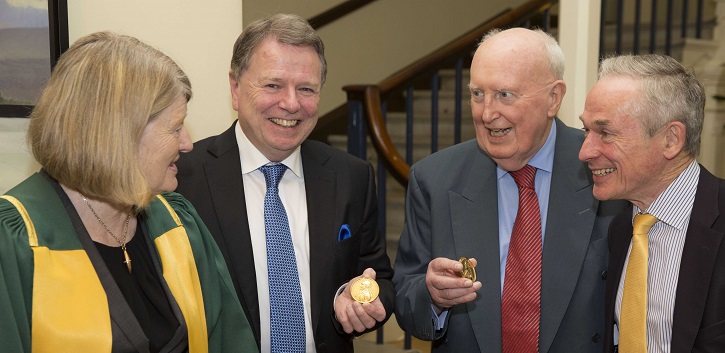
666 279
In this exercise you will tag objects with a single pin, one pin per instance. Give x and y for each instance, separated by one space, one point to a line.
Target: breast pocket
347 254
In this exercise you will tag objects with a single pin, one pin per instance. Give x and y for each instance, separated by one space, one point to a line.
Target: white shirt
666 240
293 196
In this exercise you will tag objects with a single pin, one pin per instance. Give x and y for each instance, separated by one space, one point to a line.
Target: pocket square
344 233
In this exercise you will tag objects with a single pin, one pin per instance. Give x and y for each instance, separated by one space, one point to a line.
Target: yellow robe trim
61 280
177 260
32 236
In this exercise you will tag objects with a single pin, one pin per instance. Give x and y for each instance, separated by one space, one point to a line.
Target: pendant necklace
120 241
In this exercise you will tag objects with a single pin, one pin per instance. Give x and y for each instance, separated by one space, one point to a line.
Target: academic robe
56 294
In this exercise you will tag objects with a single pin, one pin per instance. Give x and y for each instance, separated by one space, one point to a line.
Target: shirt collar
674 205
251 158
544 158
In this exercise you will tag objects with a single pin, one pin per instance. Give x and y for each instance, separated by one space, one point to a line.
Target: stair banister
364 101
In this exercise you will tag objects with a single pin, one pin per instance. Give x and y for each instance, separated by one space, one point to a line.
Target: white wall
579 40
16 163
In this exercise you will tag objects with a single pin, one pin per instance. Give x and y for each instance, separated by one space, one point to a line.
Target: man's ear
556 95
234 87
674 139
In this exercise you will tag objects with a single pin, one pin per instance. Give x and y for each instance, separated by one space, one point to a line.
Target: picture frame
57 36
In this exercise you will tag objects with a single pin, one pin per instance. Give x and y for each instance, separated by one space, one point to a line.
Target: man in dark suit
666 285
462 201
277 71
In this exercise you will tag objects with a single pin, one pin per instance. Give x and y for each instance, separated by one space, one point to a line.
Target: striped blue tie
287 321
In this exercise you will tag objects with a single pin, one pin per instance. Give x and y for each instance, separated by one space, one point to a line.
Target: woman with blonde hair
96 253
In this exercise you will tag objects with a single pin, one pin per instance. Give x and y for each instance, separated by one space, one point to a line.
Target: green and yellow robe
54 297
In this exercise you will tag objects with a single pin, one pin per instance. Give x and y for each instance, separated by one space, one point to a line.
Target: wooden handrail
336 12
380 137
372 93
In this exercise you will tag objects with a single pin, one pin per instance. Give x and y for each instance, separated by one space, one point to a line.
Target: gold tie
633 318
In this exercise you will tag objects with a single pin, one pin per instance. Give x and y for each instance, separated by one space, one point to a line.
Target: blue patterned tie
287 321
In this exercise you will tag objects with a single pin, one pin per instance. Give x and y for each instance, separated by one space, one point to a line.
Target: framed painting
33 34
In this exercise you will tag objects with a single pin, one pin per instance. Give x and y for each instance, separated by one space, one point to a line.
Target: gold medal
364 290
468 270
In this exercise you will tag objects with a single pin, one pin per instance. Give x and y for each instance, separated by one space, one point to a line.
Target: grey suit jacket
340 190
451 211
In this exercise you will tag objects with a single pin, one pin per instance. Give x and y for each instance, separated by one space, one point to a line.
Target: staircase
396 125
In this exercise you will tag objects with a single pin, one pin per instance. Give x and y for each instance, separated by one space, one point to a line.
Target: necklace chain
120 241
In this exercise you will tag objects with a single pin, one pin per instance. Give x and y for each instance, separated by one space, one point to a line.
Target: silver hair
671 93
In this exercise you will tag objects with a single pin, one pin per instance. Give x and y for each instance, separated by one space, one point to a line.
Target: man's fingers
375 310
445 298
369 272
357 325
443 265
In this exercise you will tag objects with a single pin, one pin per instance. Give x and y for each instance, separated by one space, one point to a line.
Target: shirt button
604 275
596 338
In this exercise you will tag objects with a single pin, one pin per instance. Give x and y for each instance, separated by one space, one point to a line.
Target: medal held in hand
364 290
468 270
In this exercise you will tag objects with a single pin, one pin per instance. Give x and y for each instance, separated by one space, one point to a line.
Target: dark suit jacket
340 190
698 323
452 211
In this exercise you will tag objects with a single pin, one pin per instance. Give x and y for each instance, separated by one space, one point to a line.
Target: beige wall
256 9
198 35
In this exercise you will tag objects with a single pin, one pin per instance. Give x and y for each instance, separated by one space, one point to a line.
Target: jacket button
596 338
604 275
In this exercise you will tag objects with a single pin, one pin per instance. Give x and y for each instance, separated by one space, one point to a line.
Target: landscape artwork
24 51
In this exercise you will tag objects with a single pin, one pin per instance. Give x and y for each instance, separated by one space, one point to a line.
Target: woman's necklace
120 241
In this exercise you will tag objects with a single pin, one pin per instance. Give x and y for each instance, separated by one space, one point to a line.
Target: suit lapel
565 247
620 235
475 234
227 193
320 187
696 268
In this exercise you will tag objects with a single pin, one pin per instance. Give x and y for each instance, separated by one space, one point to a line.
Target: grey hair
671 93
287 29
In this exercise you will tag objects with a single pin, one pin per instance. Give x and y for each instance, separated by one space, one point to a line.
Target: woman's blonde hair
86 128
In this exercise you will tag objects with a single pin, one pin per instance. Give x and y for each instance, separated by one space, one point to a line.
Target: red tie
521 299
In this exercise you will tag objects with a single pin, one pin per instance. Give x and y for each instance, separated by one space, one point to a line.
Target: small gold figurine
468 270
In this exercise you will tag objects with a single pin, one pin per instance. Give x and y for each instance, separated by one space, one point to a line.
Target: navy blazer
452 211
698 322
340 190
